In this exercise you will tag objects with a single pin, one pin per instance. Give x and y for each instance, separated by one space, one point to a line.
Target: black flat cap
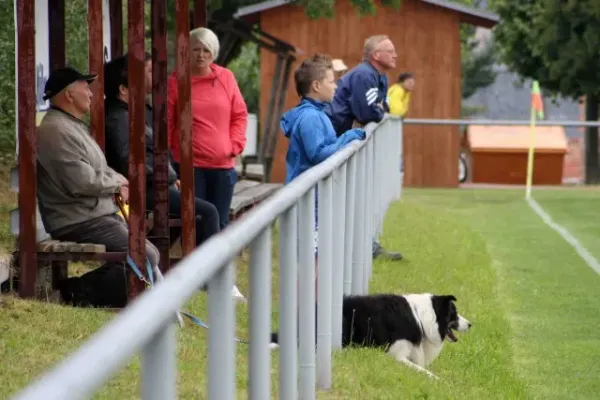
63 77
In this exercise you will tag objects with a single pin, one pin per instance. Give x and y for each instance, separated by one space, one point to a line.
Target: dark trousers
216 187
105 286
207 216
110 230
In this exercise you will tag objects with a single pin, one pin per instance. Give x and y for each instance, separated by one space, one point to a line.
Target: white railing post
260 316
378 139
388 165
372 189
306 292
221 344
324 283
339 241
349 228
288 303
159 366
368 195
358 255
398 132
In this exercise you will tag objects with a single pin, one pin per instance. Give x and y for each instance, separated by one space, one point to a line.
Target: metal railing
355 188
501 122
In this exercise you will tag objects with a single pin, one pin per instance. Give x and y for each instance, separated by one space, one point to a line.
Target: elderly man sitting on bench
76 188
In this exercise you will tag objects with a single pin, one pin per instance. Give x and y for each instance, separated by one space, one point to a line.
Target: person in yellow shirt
399 94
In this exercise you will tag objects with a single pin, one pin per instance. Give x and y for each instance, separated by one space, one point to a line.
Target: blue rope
197 321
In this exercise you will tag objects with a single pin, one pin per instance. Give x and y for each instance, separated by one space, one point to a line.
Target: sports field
532 300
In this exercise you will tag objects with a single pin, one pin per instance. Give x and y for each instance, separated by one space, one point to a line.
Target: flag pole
537 107
530 155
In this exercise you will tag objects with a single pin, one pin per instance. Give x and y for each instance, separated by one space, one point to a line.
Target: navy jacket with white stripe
358 95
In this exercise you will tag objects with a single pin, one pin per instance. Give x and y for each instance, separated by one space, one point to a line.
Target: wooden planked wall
427 42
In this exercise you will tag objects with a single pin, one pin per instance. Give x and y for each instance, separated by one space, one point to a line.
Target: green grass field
533 304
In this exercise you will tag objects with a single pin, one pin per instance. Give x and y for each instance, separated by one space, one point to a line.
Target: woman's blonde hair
208 39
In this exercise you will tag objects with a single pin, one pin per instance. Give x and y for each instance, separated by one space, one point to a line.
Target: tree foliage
477 67
246 69
558 44
476 63
554 42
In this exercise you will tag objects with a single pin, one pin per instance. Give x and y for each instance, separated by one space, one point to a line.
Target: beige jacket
74 182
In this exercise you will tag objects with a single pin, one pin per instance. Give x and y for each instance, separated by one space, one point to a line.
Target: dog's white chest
431 350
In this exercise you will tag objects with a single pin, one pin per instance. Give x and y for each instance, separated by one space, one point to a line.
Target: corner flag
536 100
537 107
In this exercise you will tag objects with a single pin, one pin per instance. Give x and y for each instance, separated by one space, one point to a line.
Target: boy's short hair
405 76
312 69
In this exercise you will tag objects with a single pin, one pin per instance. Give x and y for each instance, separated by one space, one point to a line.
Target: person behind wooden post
339 67
312 138
76 188
219 120
309 130
117 147
399 94
361 98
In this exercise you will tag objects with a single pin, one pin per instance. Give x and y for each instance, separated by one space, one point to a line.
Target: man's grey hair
70 86
371 44
208 39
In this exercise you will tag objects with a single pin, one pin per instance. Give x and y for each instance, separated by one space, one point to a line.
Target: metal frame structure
27 252
500 122
355 188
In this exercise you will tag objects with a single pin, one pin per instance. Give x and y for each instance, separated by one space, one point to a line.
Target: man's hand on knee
124 193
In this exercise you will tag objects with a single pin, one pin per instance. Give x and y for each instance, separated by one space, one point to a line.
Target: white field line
569 238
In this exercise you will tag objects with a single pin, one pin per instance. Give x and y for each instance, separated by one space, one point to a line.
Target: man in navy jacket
360 98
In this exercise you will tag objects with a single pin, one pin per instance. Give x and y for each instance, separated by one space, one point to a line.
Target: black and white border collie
411 328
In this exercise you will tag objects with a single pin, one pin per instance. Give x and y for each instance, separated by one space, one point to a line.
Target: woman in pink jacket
219 120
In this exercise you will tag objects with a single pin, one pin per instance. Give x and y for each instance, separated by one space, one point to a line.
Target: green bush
247 72
7 82
76 54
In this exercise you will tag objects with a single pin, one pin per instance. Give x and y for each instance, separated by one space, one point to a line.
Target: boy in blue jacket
309 129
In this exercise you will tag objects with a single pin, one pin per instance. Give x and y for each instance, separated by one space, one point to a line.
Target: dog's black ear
450 297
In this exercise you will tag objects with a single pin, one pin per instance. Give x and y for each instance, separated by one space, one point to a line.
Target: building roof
469 14
509 97
516 139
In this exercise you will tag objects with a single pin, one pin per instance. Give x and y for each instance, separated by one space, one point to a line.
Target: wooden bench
58 255
247 194
250 169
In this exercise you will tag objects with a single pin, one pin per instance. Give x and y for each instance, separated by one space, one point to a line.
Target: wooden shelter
29 250
499 154
426 36
154 225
